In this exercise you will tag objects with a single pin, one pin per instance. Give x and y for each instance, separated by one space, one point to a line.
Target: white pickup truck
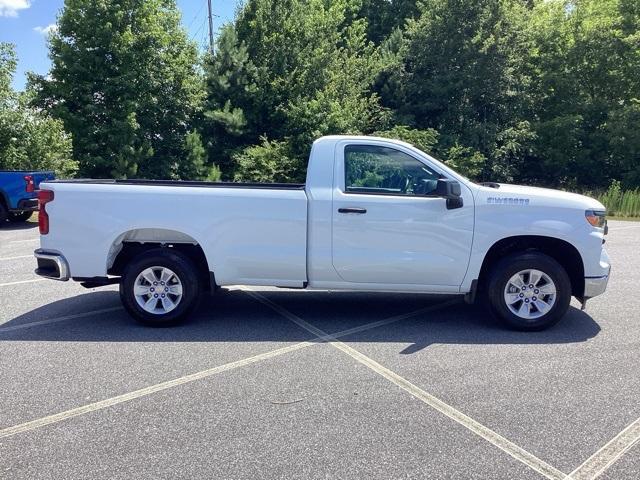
374 215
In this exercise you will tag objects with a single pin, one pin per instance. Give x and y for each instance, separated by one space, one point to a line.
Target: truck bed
250 233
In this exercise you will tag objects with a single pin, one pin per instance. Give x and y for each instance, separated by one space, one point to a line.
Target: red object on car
44 197
30 186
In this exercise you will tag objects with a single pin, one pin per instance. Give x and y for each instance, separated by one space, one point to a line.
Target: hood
543 196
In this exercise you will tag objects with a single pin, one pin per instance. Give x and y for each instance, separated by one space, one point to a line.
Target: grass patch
624 219
621 203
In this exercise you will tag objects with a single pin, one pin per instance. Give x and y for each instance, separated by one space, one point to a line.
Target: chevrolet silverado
374 215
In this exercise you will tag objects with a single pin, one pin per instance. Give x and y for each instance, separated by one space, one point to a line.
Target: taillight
30 186
44 197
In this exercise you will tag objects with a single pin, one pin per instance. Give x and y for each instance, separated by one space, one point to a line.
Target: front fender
495 223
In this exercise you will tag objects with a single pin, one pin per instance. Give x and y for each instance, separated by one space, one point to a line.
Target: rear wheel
20 216
529 291
160 288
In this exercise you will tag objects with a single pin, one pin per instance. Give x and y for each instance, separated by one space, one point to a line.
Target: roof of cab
337 138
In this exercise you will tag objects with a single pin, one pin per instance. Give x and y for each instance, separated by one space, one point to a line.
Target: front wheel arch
561 251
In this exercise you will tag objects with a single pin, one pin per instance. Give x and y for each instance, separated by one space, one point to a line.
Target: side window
381 170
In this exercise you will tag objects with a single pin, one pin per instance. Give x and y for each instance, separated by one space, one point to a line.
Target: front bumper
596 282
594 286
52 265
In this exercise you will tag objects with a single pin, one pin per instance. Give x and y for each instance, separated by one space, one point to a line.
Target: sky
26 23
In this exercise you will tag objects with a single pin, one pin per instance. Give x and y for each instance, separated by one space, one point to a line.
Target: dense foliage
29 138
544 92
285 73
125 83
534 91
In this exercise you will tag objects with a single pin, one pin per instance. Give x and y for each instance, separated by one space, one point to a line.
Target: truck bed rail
186 183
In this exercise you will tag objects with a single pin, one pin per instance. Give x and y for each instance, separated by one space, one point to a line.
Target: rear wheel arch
133 243
560 250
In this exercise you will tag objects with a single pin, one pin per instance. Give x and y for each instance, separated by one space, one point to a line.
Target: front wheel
529 291
160 288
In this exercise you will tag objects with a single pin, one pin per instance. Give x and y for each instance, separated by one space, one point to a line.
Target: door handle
359 211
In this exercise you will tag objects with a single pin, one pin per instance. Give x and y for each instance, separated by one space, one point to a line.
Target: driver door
388 227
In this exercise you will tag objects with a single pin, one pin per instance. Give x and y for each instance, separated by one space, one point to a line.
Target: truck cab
396 224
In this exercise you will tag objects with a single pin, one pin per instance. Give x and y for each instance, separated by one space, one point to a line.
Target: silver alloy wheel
158 290
530 294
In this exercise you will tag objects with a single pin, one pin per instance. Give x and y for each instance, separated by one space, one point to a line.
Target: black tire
508 267
4 213
184 270
17 217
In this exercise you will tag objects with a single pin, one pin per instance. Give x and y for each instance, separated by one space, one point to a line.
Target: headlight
597 218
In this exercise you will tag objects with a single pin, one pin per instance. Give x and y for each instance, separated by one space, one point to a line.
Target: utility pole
210 28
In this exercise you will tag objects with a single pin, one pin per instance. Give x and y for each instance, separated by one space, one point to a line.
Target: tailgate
26 192
39 177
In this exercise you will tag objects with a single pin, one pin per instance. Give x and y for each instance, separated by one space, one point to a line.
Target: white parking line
600 461
74 412
25 241
22 281
492 437
16 258
49 321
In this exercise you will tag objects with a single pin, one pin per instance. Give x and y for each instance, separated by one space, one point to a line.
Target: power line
196 16
197 34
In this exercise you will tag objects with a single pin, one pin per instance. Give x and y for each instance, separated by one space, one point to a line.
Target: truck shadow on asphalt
233 316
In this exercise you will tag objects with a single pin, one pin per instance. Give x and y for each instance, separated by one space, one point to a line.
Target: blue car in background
18 194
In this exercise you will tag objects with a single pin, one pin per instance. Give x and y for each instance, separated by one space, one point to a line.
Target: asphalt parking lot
295 384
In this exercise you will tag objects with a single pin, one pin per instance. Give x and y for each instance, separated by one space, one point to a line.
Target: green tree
462 74
287 72
425 140
231 90
384 16
586 69
124 82
271 161
29 138
194 166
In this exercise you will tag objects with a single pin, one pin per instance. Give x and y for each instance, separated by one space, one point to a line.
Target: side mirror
450 190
